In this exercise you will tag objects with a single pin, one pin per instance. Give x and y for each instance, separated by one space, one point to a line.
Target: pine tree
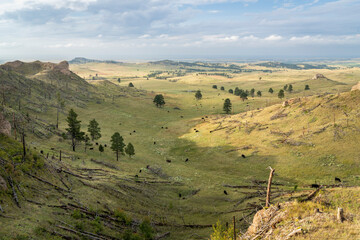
117 144
222 88
198 95
244 96
131 84
307 87
281 94
214 86
237 91
130 150
101 148
231 91
159 100
290 88
227 106
252 92
259 94
286 87
74 128
271 90
94 130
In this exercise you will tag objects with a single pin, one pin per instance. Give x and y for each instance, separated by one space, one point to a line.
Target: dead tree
268 192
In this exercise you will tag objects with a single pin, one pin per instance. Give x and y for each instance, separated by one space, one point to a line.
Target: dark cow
243 156
225 192
167 160
186 160
337 179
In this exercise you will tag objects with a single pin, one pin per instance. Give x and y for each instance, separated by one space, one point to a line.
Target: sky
179 29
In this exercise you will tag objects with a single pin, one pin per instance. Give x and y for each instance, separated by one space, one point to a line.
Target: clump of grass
122 217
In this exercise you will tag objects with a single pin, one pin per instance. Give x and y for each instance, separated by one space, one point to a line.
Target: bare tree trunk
268 193
117 155
234 227
24 145
73 144
57 118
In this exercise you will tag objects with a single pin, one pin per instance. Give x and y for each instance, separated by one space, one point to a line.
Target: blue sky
179 29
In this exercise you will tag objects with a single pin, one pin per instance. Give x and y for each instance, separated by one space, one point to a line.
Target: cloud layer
122 29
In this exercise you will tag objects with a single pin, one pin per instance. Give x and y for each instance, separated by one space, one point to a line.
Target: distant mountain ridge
299 66
82 60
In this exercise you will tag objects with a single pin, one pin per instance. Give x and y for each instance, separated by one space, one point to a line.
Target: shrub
146 230
221 233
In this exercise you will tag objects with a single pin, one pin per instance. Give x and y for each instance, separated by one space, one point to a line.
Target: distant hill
81 60
300 66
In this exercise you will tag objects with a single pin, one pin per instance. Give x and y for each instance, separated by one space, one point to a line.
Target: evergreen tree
231 91
119 80
307 87
222 88
130 150
131 84
227 106
214 86
244 96
198 95
74 128
101 148
290 88
117 144
259 93
252 92
281 94
286 87
271 90
94 130
237 91
159 100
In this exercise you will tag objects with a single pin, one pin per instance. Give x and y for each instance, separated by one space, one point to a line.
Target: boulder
317 76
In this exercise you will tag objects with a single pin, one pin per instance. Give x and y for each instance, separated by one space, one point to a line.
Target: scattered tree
198 95
101 148
222 88
237 91
74 128
94 130
130 150
244 96
258 93
252 92
286 87
231 91
290 88
227 106
117 144
307 87
271 90
119 80
214 86
281 94
131 84
159 100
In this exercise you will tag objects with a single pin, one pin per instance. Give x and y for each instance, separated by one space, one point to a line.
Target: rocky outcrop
317 76
5 126
33 68
356 87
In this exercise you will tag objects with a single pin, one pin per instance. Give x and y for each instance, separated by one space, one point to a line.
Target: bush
77 214
146 230
122 217
221 233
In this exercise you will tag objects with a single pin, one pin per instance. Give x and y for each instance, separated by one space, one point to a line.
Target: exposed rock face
5 126
317 76
37 66
356 87
3 186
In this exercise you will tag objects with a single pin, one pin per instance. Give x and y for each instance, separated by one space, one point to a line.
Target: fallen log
91 236
162 236
13 191
49 183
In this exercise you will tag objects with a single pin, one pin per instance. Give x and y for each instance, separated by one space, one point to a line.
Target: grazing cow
162 127
179 195
197 131
140 171
168 111
97 143
41 151
134 131
337 179
315 185
194 129
130 133
166 127
154 143
91 148
182 116
243 156
206 116
147 166
186 160
167 160
136 176
52 148
105 145
225 192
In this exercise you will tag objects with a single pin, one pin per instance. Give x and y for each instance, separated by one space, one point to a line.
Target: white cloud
274 38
